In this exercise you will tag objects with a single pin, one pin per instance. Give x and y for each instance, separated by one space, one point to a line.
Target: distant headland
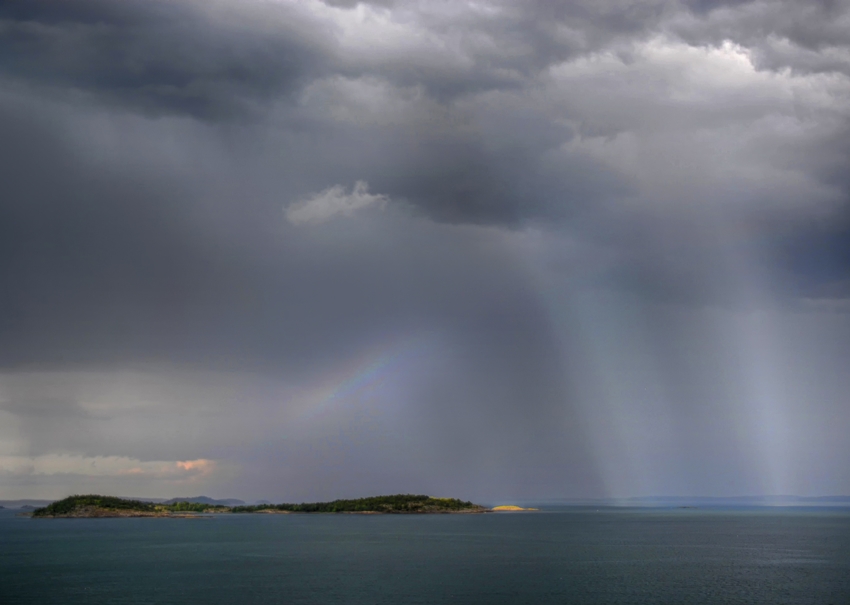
510 508
95 506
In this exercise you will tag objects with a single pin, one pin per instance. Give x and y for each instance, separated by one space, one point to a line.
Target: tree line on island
95 505
399 503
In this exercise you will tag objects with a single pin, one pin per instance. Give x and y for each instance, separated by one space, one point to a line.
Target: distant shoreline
96 506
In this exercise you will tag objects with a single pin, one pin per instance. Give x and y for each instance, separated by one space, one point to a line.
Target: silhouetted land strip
398 504
108 506
90 506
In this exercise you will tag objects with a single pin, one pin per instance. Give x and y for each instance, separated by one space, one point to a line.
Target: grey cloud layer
484 106
619 221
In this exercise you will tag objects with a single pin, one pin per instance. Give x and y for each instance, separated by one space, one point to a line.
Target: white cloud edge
334 201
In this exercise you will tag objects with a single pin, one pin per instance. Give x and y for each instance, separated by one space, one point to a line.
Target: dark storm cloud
816 260
184 58
162 57
806 37
91 253
218 62
470 179
612 221
79 247
98 264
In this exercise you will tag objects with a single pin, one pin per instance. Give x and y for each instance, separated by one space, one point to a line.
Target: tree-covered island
108 506
397 504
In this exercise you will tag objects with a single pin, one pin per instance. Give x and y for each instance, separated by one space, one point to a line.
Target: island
94 506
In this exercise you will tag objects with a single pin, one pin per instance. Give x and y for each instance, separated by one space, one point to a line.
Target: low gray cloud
38 407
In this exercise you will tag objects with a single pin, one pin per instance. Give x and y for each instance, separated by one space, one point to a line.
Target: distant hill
96 506
24 503
207 500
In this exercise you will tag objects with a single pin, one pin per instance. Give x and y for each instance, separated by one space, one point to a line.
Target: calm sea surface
624 556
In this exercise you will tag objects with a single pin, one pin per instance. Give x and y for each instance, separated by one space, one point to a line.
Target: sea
558 555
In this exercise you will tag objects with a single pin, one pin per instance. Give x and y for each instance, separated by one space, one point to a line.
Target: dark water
568 556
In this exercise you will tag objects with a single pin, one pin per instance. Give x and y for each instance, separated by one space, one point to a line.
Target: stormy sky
492 249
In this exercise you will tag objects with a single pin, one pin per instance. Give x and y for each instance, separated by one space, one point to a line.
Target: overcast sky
492 250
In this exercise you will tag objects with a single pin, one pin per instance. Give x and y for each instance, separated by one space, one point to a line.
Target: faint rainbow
366 373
